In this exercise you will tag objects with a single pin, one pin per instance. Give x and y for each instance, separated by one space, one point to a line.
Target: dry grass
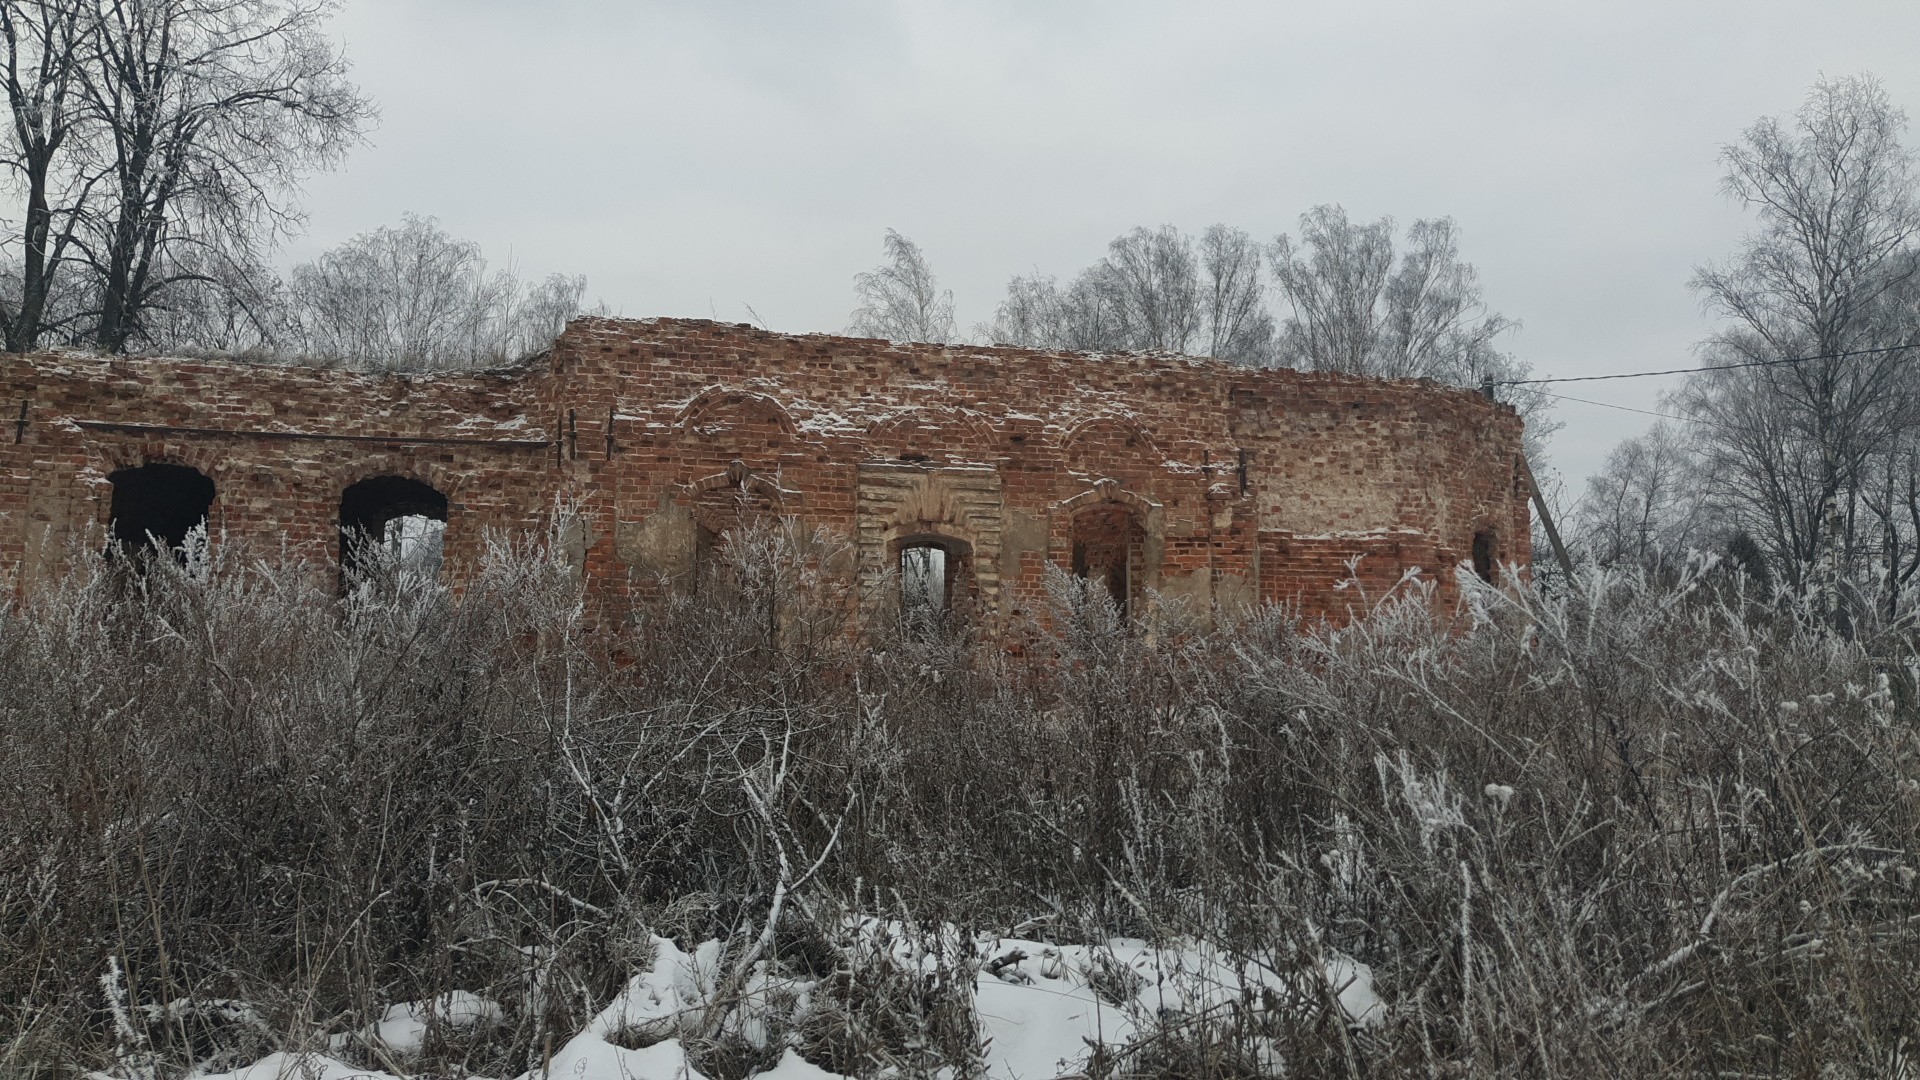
1629 830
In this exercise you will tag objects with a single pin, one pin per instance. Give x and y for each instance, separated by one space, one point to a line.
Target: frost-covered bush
1630 828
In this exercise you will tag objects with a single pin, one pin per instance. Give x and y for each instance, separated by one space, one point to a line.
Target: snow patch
285 1066
403 1027
1039 1007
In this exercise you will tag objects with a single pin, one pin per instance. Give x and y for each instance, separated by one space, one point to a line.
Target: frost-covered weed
1625 829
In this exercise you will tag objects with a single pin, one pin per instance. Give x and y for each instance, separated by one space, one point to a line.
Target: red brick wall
1247 485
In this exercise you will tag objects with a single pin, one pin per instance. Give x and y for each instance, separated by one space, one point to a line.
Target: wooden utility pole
1546 518
1539 500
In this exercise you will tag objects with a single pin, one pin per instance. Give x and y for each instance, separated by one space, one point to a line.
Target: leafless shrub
1632 827
1113 982
900 1004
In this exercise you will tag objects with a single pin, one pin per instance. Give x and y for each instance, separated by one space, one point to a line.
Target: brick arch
932 513
405 466
1107 489
942 532
1108 442
133 453
932 433
720 403
723 500
738 475
360 469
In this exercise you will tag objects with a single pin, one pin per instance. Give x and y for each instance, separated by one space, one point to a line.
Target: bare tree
210 113
1642 508
1832 269
209 309
1355 310
1028 317
1890 500
1039 313
900 300
1334 281
406 297
415 297
1155 290
1238 325
48 158
535 313
1437 323
1151 279
1355 305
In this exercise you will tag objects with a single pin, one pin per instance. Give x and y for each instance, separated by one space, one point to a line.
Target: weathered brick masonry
1162 476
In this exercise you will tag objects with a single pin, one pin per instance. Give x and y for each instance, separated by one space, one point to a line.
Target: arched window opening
1483 554
935 580
391 523
1109 549
155 506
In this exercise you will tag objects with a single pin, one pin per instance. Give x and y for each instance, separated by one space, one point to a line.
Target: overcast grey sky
695 158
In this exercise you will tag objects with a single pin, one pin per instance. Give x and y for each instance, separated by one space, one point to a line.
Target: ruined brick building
955 474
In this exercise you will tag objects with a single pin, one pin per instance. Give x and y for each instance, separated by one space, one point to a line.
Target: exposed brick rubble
1214 485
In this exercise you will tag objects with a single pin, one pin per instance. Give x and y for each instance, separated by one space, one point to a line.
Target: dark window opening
1483 554
391 523
1109 549
156 506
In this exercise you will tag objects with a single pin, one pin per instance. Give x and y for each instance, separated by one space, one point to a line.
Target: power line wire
1735 428
1710 367
1628 408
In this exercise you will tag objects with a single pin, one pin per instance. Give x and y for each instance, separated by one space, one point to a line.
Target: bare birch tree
1040 313
1155 290
1151 280
414 297
1333 280
1642 508
1832 269
900 299
1359 306
1238 325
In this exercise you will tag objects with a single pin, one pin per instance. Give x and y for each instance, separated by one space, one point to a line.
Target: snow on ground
1037 1005
300 1067
403 1028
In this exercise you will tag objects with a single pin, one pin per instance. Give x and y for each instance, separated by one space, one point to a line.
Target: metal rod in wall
325 436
